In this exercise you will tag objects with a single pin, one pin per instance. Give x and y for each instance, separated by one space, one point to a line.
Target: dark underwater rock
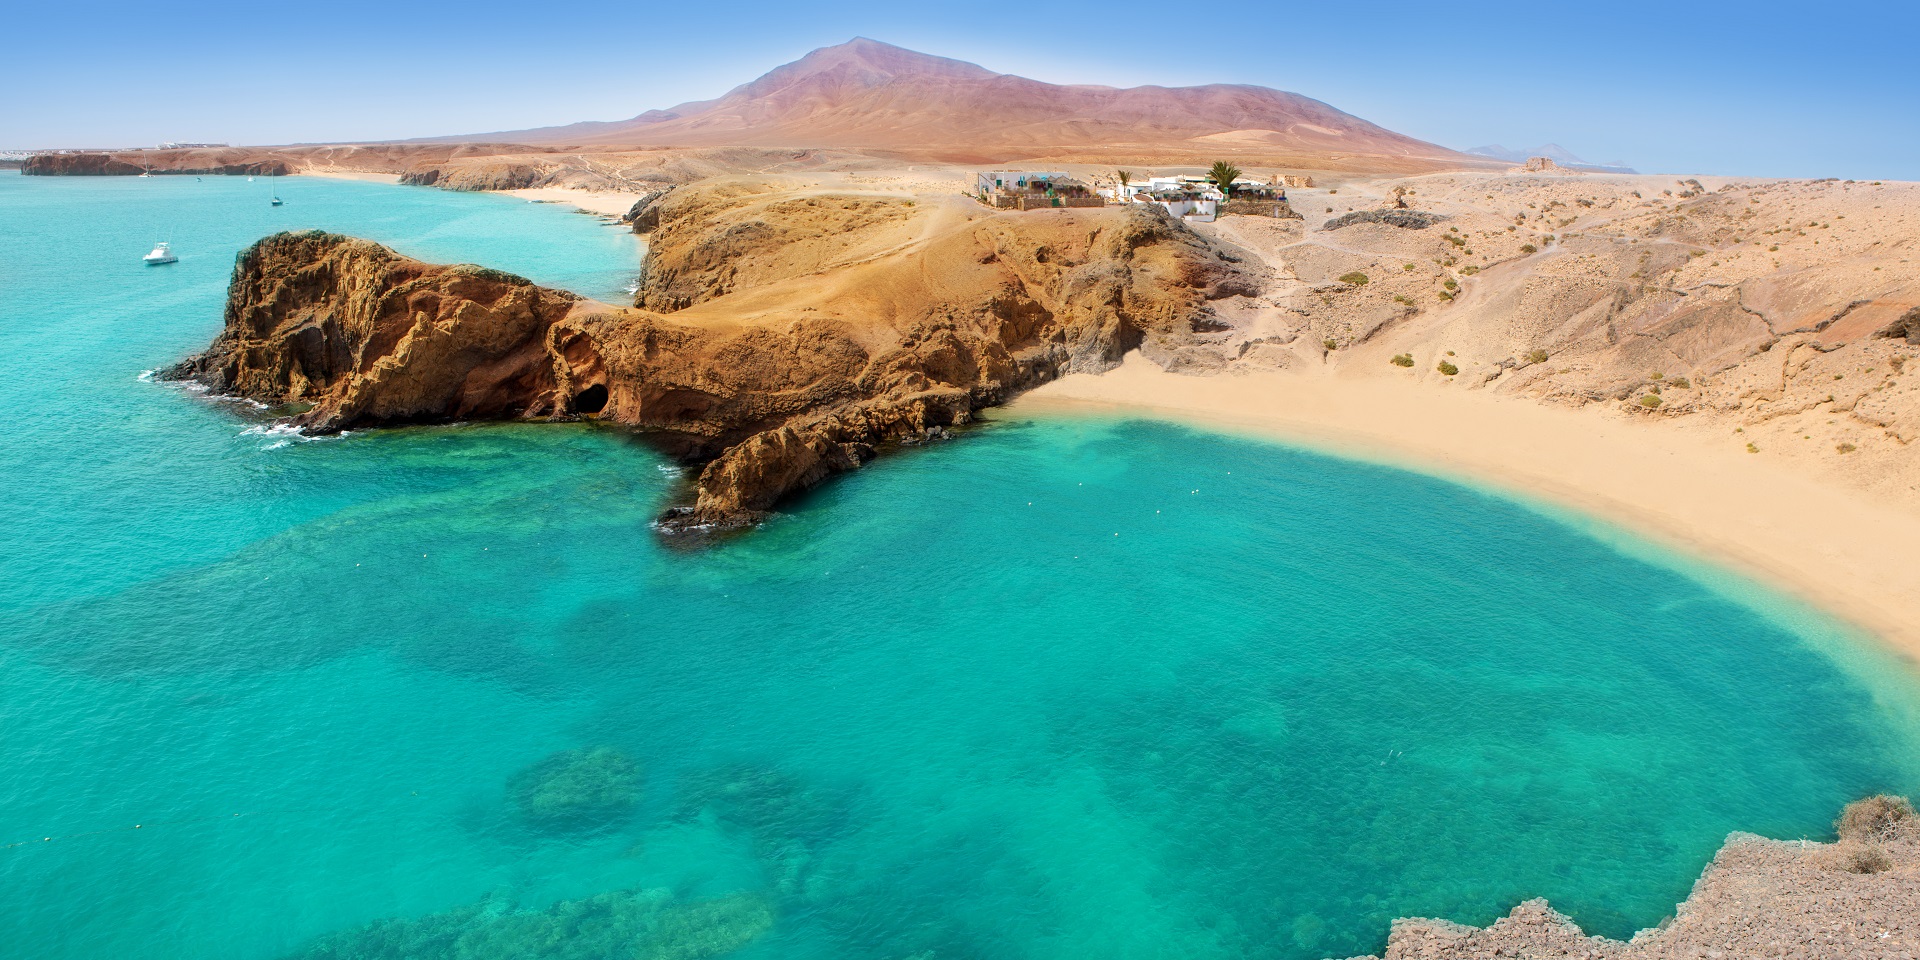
576 789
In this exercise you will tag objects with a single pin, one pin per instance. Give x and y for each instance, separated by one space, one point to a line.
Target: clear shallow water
1027 694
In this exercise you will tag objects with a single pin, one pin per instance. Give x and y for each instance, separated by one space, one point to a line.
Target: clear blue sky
1715 86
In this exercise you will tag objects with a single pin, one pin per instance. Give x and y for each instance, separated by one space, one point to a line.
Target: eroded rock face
795 349
363 335
202 162
471 177
1856 897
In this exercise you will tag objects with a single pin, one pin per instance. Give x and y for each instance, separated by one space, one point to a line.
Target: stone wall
1260 208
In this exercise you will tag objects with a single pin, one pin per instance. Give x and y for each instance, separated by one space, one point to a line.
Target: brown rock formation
788 336
208 162
362 335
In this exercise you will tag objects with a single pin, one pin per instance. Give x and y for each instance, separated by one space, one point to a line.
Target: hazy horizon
1724 89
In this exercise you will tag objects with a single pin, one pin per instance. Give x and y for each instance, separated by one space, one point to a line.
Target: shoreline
605 203
1832 548
362 176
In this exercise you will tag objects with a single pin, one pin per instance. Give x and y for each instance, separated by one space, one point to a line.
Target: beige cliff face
784 333
1857 897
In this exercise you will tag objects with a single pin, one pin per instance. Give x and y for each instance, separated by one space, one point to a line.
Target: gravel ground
1858 897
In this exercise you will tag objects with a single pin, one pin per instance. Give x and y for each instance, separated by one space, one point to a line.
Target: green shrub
1356 278
1408 267
1446 295
1529 248
1447 368
1331 344
1469 270
1403 360
1752 449
1846 448
1450 284
1403 298
1651 401
1537 356
1680 383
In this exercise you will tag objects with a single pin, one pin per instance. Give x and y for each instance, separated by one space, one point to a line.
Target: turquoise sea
1060 688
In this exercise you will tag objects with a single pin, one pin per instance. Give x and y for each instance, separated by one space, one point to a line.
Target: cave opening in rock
591 400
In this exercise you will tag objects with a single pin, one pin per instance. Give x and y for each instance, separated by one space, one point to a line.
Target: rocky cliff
133 163
782 338
1857 897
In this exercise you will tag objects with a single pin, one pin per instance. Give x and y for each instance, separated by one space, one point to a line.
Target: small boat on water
276 201
162 253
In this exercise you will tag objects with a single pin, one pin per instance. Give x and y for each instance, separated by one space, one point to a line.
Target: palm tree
1125 178
1223 174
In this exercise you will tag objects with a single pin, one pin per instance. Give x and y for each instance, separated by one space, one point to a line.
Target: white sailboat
162 253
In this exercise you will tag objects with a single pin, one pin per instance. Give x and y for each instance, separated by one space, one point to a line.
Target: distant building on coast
170 145
1033 190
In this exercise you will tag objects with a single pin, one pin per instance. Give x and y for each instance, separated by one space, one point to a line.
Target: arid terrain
1728 363
857 104
1858 897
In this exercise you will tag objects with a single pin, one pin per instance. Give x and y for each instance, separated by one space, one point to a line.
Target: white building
1016 180
1195 198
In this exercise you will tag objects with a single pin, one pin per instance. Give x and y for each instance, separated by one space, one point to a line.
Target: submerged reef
637 924
789 822
576 789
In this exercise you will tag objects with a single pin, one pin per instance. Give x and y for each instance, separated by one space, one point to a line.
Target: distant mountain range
1552 151
870 96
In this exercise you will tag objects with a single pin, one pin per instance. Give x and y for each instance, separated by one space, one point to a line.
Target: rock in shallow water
576 789
640 924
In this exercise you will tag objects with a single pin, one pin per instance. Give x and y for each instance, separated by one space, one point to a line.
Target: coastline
606 203
1833 548
360 175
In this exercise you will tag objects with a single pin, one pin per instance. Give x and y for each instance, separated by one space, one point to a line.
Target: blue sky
1707 87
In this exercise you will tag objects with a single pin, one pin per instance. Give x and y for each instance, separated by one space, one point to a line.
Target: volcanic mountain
874 97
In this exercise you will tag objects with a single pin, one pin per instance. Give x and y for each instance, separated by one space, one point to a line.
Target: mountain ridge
869 95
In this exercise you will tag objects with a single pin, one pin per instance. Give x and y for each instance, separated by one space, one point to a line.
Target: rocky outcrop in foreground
774 394
1857 897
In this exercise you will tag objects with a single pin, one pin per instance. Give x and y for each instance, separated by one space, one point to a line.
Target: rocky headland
209 162
1858 897
782 334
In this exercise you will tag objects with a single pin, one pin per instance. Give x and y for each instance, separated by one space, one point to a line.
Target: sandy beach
1835 548
607 203
361 175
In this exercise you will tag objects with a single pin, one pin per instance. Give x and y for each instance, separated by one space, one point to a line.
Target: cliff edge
1856 897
